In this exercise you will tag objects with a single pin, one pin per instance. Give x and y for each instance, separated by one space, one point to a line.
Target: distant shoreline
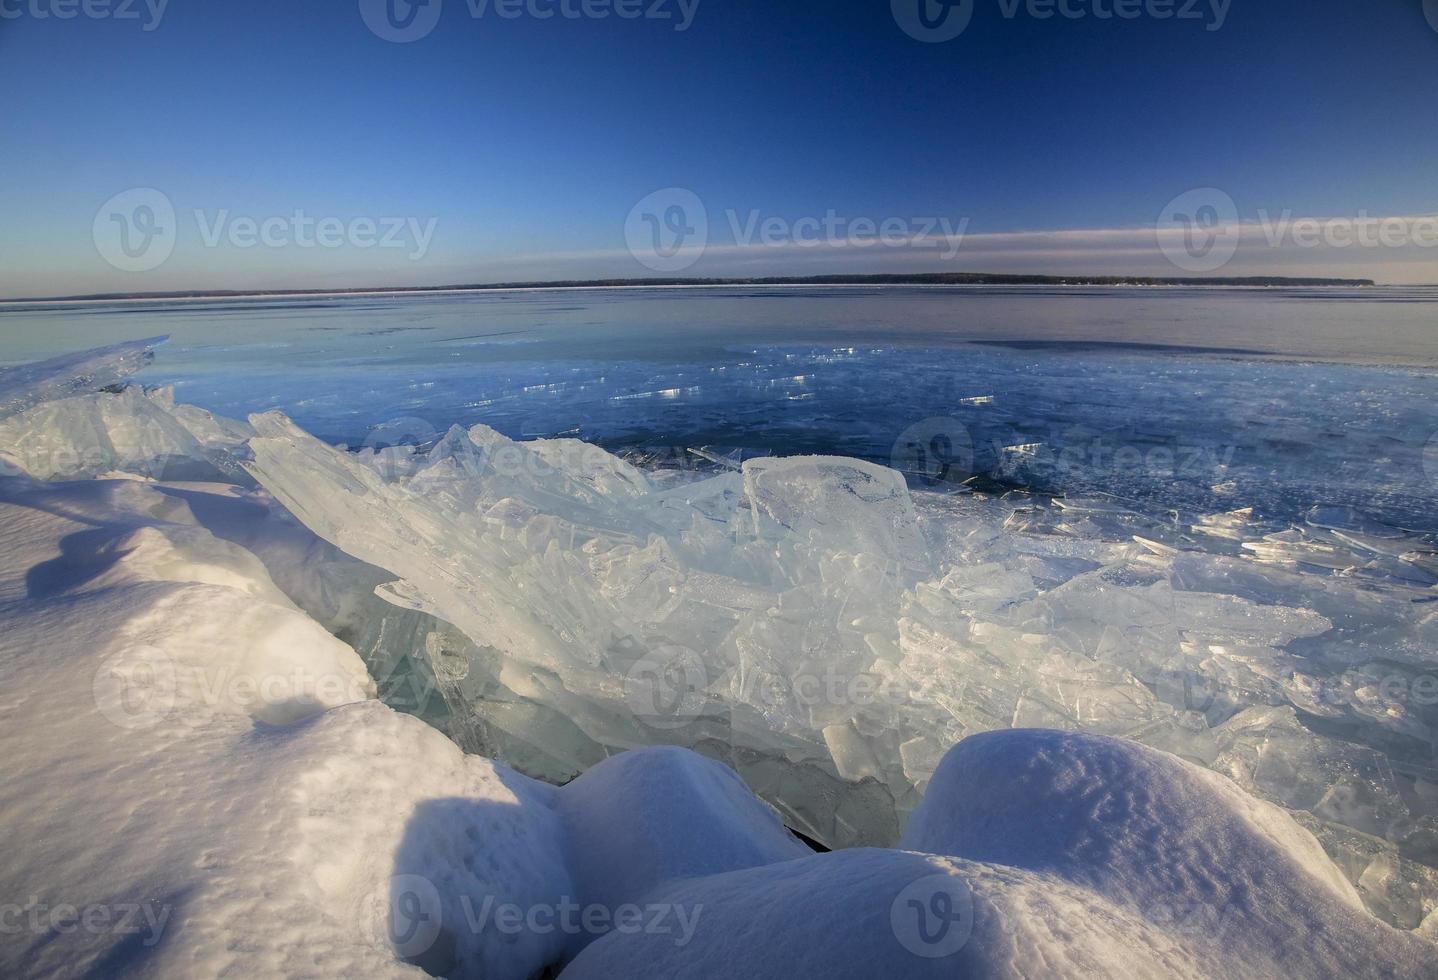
919 279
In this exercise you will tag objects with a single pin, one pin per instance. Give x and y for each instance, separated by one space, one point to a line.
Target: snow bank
178 799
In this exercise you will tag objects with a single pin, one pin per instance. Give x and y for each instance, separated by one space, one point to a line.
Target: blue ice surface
1193 399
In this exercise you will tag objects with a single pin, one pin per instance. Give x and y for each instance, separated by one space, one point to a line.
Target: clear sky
518 147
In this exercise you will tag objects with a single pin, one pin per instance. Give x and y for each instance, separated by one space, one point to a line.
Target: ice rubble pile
199 763
805 622
200 819
26 385
819 629
74 417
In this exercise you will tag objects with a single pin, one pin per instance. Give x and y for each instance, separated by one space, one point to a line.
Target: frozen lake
1210 399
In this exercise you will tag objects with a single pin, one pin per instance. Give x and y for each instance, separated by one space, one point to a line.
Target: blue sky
511 148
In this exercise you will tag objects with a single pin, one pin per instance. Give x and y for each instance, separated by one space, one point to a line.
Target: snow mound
868 913
1233 877
1050 854
197 782
651 816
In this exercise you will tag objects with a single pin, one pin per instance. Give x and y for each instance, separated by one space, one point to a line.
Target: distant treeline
897 279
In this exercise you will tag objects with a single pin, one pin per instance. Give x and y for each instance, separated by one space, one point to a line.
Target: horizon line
837 279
